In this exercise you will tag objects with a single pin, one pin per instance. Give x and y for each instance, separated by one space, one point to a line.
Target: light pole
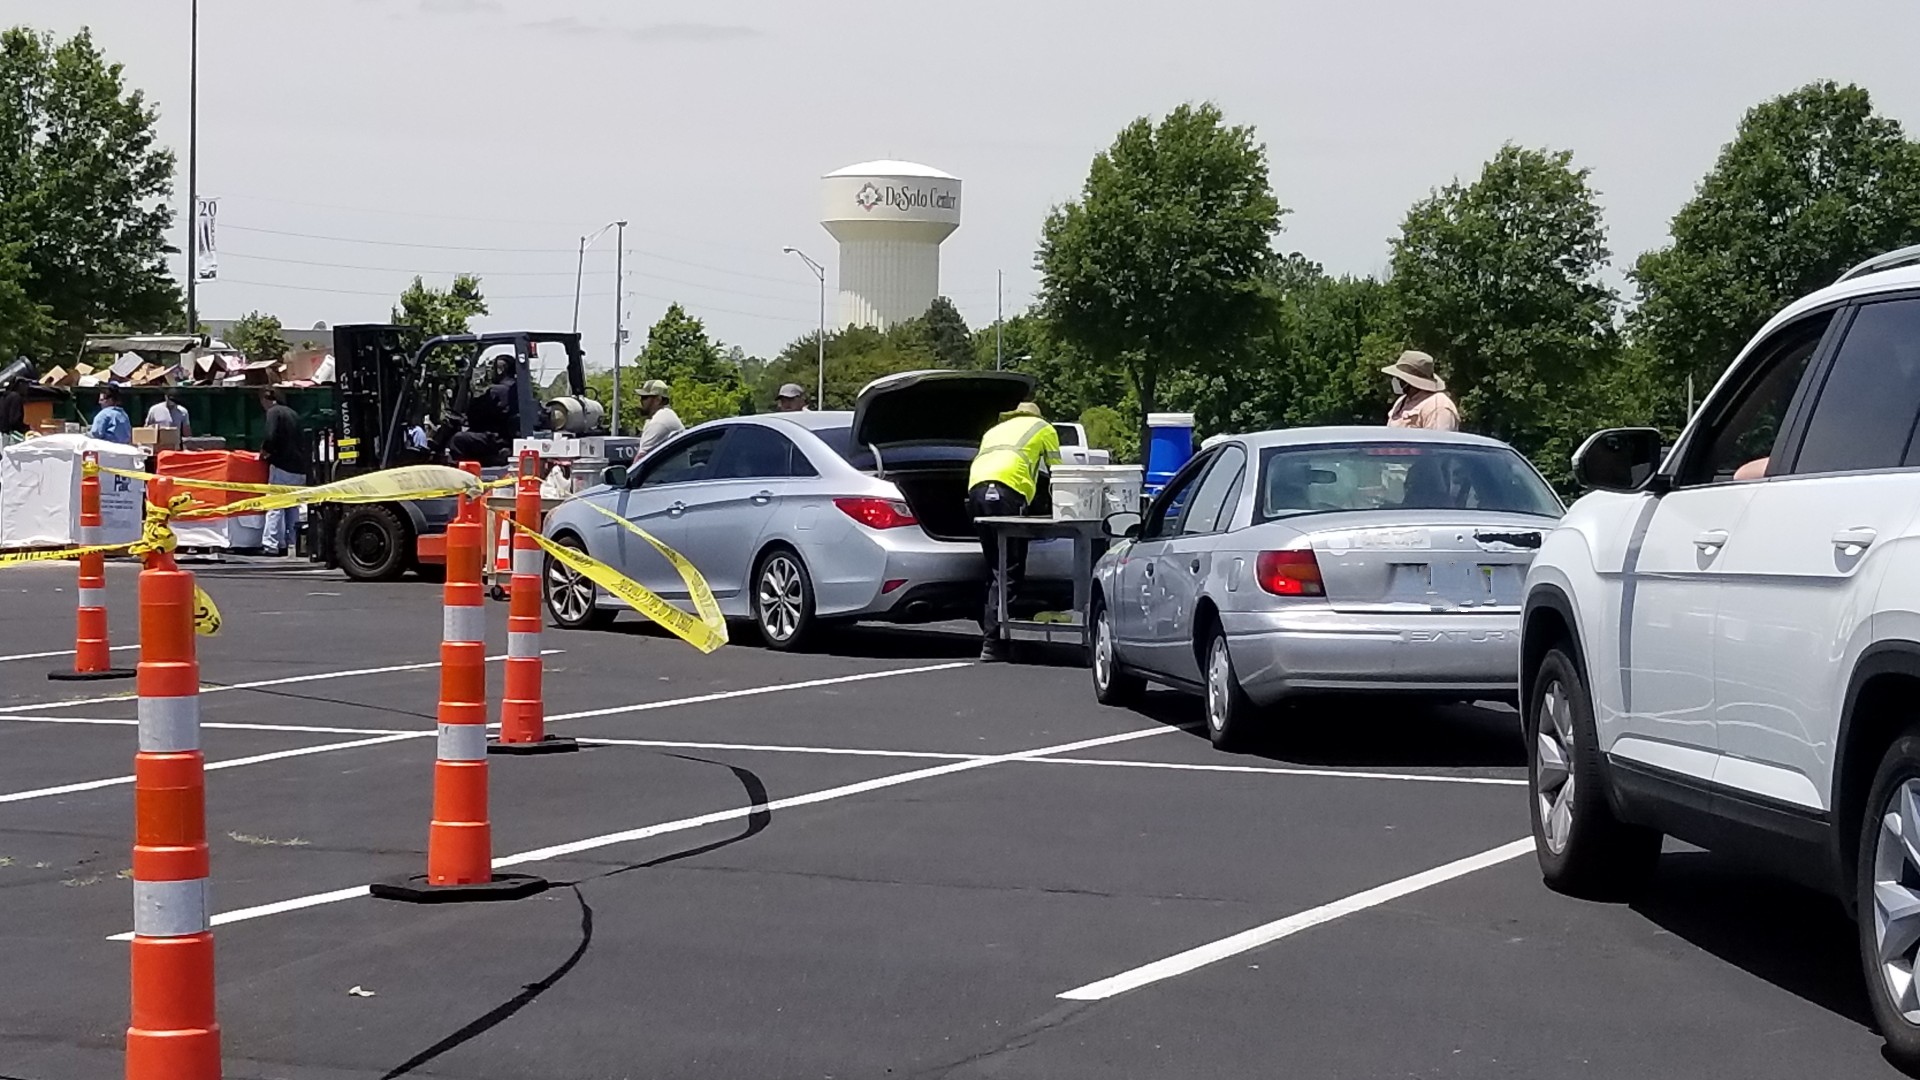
820 394
193 169
619 313
579 274
999 316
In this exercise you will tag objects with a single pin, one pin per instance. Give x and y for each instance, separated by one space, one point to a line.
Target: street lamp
619 283
820 394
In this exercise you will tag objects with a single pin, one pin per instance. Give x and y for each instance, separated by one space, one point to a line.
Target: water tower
889 217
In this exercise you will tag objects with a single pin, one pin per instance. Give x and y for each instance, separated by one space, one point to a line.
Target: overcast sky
413 134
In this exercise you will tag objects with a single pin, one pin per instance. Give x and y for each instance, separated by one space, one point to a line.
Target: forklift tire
373 543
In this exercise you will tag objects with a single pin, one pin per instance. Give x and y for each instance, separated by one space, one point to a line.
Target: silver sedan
800 519
1323 559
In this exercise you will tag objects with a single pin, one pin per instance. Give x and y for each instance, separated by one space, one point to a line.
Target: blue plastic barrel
1169 446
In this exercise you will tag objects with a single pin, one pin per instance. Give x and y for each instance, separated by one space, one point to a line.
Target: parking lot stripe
665 744
558 851
1336 774
298 729
1192 959
318 676
256 759
753 691
57 652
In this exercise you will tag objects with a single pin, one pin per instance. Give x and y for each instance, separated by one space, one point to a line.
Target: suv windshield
1298 480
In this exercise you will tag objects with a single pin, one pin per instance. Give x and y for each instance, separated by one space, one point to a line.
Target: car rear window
1297 480
840 441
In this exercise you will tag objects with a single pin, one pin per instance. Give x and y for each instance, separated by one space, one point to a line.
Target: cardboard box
58 376
157 438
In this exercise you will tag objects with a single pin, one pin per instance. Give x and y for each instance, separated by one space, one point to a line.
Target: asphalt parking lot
877 860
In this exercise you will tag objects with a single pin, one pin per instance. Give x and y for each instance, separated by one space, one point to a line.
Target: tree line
1163 284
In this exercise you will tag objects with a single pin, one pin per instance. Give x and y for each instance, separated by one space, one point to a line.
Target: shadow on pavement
1793 937
1360 732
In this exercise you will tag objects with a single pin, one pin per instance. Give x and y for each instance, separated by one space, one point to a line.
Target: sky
354 143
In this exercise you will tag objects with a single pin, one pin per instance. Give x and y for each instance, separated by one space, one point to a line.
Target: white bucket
1091 492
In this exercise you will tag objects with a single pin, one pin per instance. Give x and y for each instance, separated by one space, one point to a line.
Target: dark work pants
994 499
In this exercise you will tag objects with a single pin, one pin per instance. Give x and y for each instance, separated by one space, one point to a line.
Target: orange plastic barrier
91 656
522 708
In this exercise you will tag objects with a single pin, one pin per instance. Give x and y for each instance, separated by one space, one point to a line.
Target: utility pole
619 312
193 169
999 317
819 271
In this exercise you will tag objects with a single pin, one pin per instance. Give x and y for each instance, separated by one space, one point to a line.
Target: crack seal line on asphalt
318 676
558 851
1213 952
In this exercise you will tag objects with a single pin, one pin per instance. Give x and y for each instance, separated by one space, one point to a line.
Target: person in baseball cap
1420 395
791 398
662 422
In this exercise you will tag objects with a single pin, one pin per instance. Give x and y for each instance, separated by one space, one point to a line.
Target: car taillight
1290 573
877 513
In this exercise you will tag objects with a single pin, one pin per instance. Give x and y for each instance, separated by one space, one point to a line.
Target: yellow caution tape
9 558
703 600
389 485
211 485
206 617
695 631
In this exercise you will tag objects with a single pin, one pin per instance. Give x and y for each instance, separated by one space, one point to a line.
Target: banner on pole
206 262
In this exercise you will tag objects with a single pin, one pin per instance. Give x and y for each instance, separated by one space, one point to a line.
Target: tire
1583 849
1230 718
569 597
1111 685
374 543
1888 902
783 600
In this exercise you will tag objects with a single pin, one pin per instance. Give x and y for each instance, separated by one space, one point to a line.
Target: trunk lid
1426 561
935 407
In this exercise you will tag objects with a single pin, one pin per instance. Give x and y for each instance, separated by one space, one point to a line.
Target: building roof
892 168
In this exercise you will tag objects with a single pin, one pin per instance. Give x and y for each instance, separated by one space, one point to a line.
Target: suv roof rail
1906 256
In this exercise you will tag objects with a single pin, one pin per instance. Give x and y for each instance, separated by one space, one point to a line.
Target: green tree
1813 182
258 336
1159 266
1111 430
439 312
84 191
706 383
24 326
1499 280
943 333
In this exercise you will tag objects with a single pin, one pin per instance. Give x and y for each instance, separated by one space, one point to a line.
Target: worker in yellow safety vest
1003 482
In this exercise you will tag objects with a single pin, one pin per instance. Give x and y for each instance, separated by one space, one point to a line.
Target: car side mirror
1122 526
614 476
1618 459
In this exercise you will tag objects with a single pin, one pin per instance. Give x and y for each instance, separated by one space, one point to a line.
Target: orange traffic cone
174 1035
91 659
460 838
522 710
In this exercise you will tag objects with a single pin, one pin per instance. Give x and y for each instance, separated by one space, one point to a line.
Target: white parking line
277 755
591 843
389 735
58 652
1336 774
1192 959
318 676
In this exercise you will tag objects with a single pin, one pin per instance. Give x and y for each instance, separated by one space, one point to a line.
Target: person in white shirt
662 422
168 412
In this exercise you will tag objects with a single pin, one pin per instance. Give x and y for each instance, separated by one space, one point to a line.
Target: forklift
388 395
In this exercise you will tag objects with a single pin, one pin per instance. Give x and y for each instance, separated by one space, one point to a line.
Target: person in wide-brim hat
1420 395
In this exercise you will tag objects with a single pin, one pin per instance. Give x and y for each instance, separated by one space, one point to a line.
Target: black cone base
551 744
416 890
91 676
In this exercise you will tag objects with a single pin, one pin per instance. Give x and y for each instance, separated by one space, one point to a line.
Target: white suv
1722 643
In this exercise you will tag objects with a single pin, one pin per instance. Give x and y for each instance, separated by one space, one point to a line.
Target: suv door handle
762 498
676 509
1857 539
1711 541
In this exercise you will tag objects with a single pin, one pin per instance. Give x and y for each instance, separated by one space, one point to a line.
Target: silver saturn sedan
802 519
1322 559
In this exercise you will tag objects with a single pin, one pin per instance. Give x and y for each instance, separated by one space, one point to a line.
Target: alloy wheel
1896 897
1219 683
568 594
1553 781
780 597
1102 650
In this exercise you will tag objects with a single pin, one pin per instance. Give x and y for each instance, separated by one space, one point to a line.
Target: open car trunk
937 494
